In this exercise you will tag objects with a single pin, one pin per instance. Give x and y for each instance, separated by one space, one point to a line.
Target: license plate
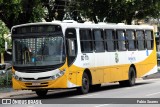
35 84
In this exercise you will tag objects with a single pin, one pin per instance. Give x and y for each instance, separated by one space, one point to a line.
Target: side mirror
6 46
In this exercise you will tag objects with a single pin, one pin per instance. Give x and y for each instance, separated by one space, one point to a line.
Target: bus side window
98 40
140 39
71 45
130 36
121 40
110 40
149 39
86 40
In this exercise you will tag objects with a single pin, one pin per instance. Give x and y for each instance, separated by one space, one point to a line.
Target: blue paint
131 58
147 53
33 59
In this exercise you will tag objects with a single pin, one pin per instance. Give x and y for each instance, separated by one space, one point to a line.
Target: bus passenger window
140 39
110 40
149 39
86 40
98 40
121 40
130 36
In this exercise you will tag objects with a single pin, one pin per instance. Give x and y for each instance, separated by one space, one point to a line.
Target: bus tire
41 93
131 78
84 89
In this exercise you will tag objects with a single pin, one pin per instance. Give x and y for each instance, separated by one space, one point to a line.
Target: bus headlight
57 75
16 77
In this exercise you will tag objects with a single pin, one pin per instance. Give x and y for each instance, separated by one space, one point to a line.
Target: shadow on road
73 92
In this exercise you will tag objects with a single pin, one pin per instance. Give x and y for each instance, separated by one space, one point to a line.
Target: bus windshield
39 51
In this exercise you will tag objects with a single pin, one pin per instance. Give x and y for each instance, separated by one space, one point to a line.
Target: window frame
91 40
152 40
135 41
144 44
70 61
124 31
114 40
94 41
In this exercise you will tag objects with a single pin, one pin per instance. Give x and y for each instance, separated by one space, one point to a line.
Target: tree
54 9
118 10
141 9
13 12
4 30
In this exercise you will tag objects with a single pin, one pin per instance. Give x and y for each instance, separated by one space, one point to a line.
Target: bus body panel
103 66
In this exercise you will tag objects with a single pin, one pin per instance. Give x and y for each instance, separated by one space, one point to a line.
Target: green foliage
6 80
118 10
3 30
54 9
2 45
13 12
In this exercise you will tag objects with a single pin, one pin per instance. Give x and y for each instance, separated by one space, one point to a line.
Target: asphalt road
136 96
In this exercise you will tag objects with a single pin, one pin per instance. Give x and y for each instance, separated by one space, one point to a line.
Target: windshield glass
38 51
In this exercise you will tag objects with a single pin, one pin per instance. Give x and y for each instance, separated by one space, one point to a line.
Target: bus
61 54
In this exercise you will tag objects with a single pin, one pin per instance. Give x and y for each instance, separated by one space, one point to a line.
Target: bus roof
74 24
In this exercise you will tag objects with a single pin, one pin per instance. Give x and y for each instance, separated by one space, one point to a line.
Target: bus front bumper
48 84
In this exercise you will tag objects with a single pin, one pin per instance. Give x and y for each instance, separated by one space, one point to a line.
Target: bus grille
41 78
36 80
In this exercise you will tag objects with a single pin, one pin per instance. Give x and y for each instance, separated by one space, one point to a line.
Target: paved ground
9 92
156 75
144 89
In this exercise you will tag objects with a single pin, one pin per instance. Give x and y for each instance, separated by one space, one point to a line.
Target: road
143 89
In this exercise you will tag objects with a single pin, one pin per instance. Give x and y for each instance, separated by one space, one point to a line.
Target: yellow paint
146 65
99 74
58 83
75 75
107 75
116 72
13 70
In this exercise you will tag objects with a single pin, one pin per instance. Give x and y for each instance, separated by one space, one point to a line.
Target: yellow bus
50 55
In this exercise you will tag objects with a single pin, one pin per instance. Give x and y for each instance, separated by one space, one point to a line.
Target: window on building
98 40
110 40
140 39
86 40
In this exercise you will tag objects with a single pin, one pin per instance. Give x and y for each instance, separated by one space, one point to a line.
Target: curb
16 93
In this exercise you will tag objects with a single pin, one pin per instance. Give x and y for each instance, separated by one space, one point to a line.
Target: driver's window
71 45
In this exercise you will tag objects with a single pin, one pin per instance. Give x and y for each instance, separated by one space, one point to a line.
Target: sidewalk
15 92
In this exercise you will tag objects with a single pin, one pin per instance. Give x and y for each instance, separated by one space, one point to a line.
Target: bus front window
38 51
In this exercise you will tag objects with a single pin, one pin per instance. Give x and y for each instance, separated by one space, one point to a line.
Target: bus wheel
132 77
85 84
131 80
41 93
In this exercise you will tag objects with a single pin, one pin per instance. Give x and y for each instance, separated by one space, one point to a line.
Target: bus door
71 50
